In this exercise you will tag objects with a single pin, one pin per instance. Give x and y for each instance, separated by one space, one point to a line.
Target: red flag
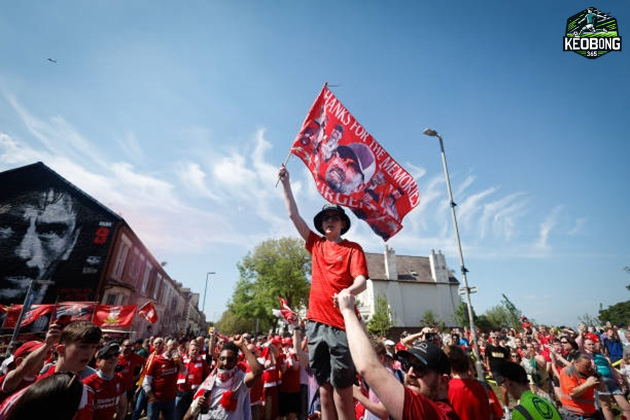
352 169
285 311
114 316
30 315
67 312
148 312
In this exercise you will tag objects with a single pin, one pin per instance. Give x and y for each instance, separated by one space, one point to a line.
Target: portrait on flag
67 312
352 169
36 318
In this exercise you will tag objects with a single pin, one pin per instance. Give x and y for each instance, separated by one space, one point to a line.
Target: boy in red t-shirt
338 265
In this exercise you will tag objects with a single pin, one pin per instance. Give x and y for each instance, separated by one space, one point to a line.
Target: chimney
391 271
439 272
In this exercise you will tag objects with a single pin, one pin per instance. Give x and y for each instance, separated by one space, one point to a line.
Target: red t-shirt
271 375
196 371
469 399
106 394
418 406
335 266
164 372
291 377
256 391
129 364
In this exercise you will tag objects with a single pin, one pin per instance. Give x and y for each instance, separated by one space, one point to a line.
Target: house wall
410 300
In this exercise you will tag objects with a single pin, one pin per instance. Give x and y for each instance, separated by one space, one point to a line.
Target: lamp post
466 290
204 293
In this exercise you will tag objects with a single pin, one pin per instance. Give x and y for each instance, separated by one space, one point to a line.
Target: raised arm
254 365
289 201
385 385
32 364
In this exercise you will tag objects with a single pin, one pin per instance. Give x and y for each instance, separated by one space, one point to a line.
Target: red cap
276 341
287 341
400 346
27 348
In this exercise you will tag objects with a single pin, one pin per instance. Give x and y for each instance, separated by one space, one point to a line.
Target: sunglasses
419 369
332 217
110 356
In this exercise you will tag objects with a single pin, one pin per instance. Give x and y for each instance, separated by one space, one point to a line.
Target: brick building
74 248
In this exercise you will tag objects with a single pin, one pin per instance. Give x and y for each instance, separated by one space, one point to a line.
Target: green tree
381 322
430 319
514 314
497 316
229 324
619 312
460 316
276 267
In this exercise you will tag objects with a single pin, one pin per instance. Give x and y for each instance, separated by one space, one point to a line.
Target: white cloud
546 227
131 147
214 197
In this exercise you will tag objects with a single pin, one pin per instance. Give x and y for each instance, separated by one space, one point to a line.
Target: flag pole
284 164
305 120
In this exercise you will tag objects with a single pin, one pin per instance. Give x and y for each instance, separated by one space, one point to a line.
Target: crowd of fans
538 373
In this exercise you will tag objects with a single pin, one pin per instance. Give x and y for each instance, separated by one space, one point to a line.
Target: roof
410 268
38 175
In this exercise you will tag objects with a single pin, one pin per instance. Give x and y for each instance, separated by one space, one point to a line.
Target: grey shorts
329 355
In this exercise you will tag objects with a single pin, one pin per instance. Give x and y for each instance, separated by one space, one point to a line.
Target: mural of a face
38 230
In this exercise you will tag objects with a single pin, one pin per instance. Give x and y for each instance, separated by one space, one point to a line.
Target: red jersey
107 394
418 406
291 377
256 391
164 371
196 371
127 366
335 266
271 375
469 399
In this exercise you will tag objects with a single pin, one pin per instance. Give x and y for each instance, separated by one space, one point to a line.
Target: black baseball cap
107 348
428 354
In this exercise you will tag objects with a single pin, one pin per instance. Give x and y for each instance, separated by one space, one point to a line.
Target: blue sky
178 114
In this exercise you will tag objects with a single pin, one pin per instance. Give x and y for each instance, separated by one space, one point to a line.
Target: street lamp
466 290
204 292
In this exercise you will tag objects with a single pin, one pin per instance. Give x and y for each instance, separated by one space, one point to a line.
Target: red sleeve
358 265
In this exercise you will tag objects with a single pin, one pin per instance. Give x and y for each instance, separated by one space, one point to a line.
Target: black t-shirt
497 355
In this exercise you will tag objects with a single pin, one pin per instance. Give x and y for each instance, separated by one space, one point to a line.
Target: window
156 289
134 266
137 279
145 279
111 299
123 251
